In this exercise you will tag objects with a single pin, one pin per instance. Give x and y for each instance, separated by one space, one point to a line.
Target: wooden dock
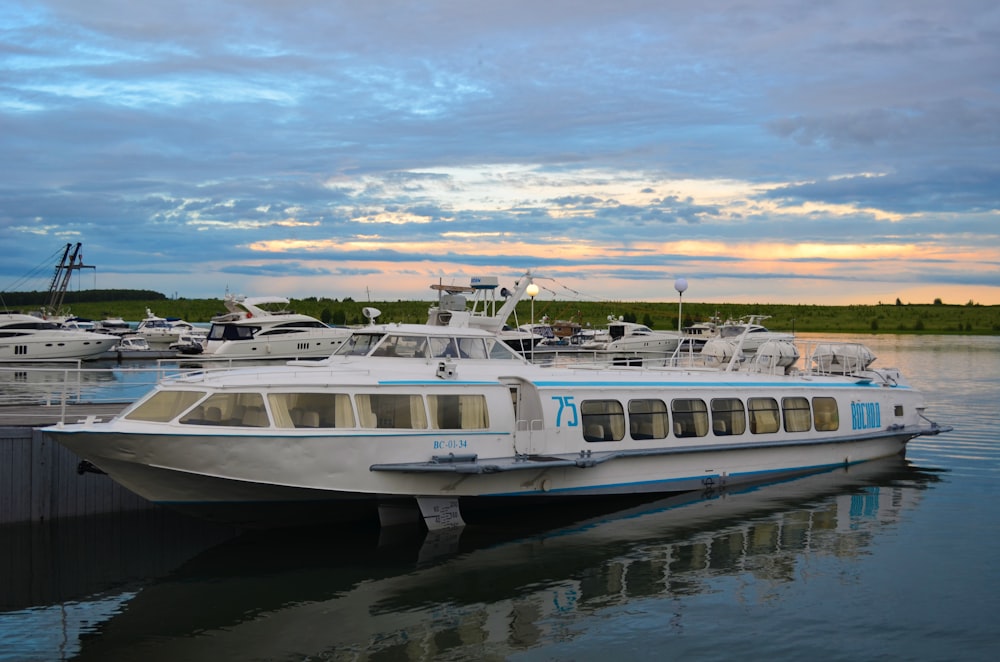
40 480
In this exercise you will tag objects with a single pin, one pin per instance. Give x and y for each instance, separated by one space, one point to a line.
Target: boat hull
305 345
317 481
89 347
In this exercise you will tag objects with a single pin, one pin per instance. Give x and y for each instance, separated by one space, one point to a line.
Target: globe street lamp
680 285
532 291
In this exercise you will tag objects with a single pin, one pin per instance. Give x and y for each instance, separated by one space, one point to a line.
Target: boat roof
363 371
260 301
401 328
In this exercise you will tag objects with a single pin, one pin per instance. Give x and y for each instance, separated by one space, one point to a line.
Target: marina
809 556
641 470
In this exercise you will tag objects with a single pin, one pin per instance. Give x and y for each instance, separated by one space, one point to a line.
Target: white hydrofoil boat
451 420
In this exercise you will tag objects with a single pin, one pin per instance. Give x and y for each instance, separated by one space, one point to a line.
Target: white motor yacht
28 338
262 328
623 337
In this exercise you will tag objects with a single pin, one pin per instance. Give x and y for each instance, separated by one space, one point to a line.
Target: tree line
37 299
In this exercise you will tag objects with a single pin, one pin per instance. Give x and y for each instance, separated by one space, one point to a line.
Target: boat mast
60 279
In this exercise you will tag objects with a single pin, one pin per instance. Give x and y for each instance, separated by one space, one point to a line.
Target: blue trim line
696 385
699 478
434 382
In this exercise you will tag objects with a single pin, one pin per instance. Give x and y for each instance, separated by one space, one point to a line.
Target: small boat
29 338
189 344
160 332
135 346
263 328
132 343
430 420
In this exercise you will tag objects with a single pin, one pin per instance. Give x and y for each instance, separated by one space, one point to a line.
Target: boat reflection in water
497 591
45 383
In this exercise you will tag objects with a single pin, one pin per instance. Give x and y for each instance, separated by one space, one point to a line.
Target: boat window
300 324
278 332
311 410
603 420
39 326
796 414
231 332
239 409
728 417
458 412
391 410
407 347
763 415
500 350
442 348
826 418
472 348
359 344
648 419
164 406
690 417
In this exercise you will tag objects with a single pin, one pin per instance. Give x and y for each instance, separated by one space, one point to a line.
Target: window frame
690 422
654 422
602 420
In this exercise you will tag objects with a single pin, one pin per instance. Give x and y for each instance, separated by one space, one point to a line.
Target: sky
831 153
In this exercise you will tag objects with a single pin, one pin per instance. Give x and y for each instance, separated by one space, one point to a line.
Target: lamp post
532 291
680 285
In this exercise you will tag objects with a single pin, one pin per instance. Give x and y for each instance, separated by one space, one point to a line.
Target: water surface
892 560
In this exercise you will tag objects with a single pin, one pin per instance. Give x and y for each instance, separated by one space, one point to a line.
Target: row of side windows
318 410
606 420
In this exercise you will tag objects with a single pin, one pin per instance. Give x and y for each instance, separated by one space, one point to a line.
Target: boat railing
686 355
53 384
852 358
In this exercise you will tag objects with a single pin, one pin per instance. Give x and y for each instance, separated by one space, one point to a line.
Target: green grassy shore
936 318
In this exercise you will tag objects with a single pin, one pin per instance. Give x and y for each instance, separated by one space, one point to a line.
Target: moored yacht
30 338
750 333
621 337
697 334
160 332
263 328
114 325
444 421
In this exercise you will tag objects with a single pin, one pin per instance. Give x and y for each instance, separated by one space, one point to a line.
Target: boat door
529 431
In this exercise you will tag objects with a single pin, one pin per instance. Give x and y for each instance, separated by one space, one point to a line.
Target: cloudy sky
770 151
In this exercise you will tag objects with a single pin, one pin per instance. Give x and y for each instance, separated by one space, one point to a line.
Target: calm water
896 560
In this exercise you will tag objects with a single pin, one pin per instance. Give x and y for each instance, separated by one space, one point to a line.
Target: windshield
359 344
